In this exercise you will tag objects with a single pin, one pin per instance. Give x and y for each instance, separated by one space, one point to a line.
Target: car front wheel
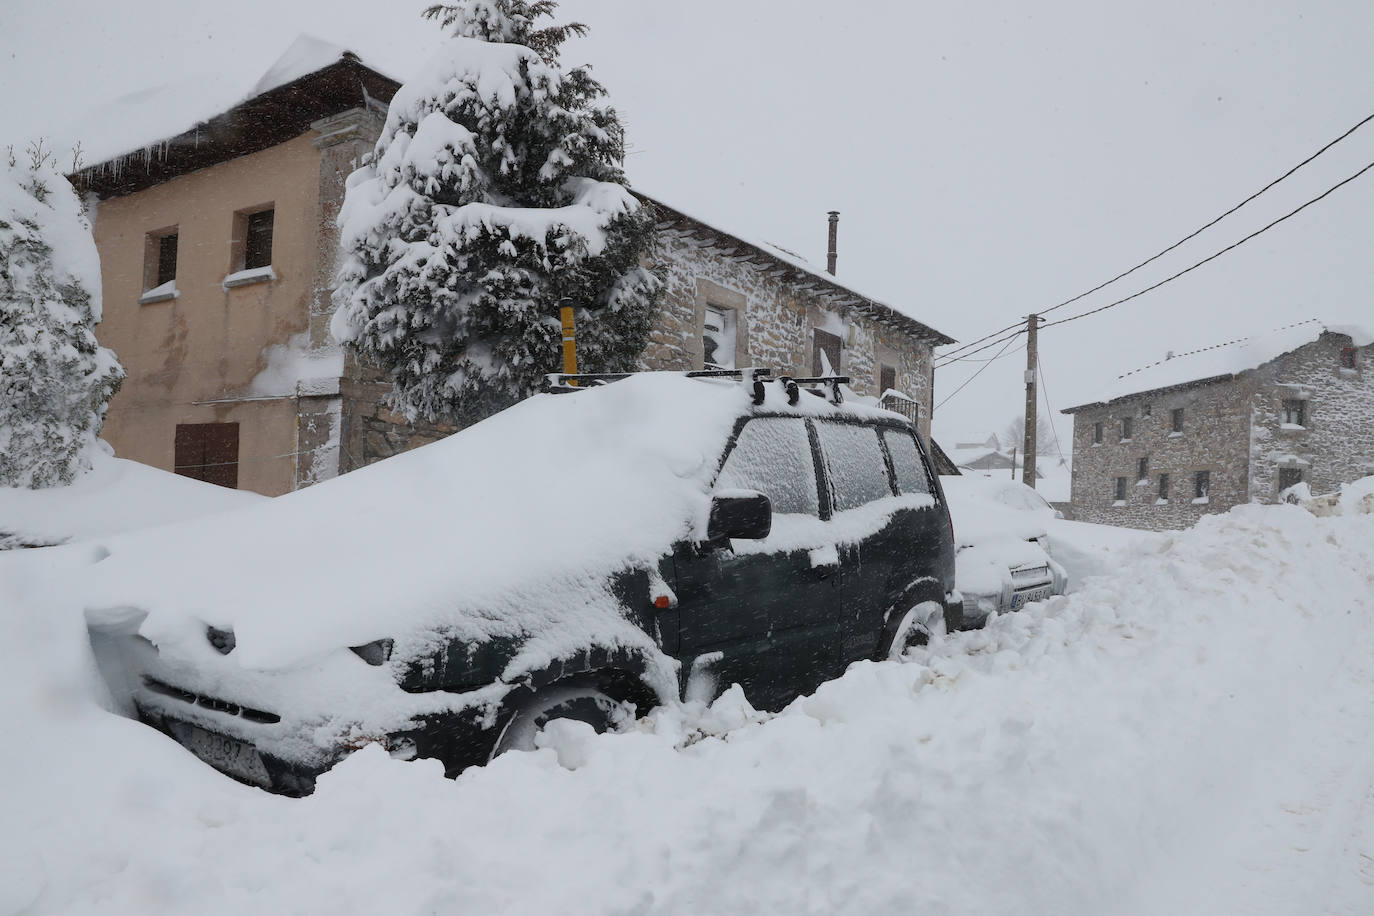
577 702
916 627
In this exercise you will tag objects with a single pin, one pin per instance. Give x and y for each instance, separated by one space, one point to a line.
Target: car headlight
377 652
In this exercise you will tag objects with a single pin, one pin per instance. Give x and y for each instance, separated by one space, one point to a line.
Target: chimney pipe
832 254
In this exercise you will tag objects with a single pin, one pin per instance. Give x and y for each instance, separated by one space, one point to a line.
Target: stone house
1239 422
218 249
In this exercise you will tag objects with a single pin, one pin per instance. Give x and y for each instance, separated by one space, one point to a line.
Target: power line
1020 329
954 355
972 377
1195 233
1213 257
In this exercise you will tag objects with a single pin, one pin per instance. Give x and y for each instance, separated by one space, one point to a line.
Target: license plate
228 755
1021 599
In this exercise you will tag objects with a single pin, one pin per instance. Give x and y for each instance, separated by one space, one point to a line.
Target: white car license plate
1021 599
229 755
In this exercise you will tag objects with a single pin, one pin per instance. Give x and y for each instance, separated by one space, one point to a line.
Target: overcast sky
989 159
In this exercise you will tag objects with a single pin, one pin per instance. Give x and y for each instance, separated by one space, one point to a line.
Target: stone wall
775 322
1335 443
1215 438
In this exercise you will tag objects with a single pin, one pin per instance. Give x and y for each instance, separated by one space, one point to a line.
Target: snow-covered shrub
494 191
55 380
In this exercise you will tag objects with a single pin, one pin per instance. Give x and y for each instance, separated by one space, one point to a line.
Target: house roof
1220 361
151 136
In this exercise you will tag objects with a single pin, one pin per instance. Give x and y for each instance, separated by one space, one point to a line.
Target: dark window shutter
166 259
826 343
887 378
257 245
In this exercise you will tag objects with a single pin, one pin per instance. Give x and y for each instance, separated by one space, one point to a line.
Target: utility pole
1028 452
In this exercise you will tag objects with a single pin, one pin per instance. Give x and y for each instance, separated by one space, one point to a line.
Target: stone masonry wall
1335 443
775 321
1215 438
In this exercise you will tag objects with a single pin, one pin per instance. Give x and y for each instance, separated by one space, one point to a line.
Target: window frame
1127 429
238 242
1119 494
729 322
823 502
154 244
1286 408
836 364
1163 492
1289 470
1176 419
1348 358
1097 432
1142 466
814 425
1202 484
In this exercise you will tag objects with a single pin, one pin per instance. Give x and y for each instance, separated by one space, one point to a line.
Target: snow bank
1181 737
113 496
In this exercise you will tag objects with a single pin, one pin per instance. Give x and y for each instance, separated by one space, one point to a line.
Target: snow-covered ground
114 495
1193 733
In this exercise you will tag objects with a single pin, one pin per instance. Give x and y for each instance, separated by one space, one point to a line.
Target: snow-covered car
1004 557
580 555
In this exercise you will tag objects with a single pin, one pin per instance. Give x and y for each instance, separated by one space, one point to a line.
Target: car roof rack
794 387
563 382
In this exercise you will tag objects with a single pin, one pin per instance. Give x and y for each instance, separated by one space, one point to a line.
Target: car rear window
906 461
773 456
856 463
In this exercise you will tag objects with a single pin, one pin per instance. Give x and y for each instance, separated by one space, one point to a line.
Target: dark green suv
741 530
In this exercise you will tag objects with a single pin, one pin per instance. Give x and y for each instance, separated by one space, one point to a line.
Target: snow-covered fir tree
494 191
55 380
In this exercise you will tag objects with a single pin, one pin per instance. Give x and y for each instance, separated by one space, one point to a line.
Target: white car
1003 560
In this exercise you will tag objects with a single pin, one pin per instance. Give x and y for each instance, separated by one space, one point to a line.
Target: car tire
915 628
580 702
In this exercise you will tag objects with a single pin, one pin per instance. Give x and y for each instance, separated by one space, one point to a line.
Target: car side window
906 461
856 463
773 456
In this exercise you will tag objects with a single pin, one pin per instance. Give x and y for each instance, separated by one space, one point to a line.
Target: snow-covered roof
1223 360
143 123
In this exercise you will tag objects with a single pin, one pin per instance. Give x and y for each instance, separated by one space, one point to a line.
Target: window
718 336
160 259
856 463
257 240
773 456
887 378
1202 484
1294 412
829 345
1347 357
1126 425
208 452
1164 487
1143 469
1097 433
906 461
1289 477
1145 411
1121 489
1176 420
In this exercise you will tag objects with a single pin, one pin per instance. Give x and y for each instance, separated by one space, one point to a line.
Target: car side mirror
744 514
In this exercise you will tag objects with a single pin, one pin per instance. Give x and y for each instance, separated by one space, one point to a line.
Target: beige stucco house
218 248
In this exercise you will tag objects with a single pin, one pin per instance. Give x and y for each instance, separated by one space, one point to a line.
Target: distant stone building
218 250
1240 422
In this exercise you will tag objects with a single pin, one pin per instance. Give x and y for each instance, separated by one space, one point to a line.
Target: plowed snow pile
1193 735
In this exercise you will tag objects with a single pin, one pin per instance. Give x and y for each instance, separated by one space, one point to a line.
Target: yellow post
569 340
